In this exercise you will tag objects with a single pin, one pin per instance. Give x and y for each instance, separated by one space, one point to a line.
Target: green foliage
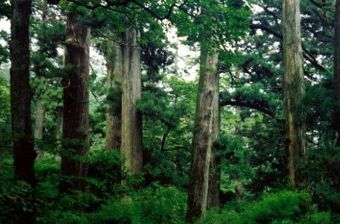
5 116
284 207
152 205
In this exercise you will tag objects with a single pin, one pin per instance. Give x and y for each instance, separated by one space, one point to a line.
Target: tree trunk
293 87
336 116
23 147
24 154
60 119
39 124
76 106
114 65
215 173
131 118
203 136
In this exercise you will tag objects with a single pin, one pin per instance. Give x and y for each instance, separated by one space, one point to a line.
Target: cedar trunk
114 65
293 87
204 135
131 88
76 106
24 154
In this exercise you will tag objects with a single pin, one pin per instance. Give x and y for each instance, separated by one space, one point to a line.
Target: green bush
285 207
155 204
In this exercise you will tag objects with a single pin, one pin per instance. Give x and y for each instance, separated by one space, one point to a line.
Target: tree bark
39 123
114 65
24 154
76 106
293 87
203 136
214 171
336 116
23 146
131 118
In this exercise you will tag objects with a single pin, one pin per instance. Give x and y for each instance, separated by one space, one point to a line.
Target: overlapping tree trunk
293 87
114 65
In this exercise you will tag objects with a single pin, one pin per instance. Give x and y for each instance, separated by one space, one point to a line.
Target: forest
170 111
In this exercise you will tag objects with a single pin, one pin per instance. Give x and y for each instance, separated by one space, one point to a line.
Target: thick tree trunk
24 154
76 106
131 118
293 87
203 136
114 65
39 123
23 147
336 116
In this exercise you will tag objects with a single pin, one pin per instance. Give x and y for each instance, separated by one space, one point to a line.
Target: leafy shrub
285 207
151 205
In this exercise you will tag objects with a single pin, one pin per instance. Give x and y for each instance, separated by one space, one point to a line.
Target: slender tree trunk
214 172
114 65
203 136
131 118
293 87
76 106
24 154
336 116
39 123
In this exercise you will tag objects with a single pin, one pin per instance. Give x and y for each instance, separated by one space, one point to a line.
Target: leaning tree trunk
131 118
293 87
336 116
203 136
114 65
76 106
24 154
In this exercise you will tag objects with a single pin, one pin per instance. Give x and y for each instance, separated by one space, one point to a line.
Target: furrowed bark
293 87
114 80
203 136
76 106
24 154
131 88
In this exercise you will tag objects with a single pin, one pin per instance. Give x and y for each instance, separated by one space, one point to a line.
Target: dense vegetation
103 119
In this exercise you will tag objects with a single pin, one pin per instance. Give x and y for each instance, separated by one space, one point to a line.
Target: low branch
259 106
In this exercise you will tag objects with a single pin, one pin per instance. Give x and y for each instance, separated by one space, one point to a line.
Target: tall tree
131 93
293 87
114 67
204 134
24 154
76 104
